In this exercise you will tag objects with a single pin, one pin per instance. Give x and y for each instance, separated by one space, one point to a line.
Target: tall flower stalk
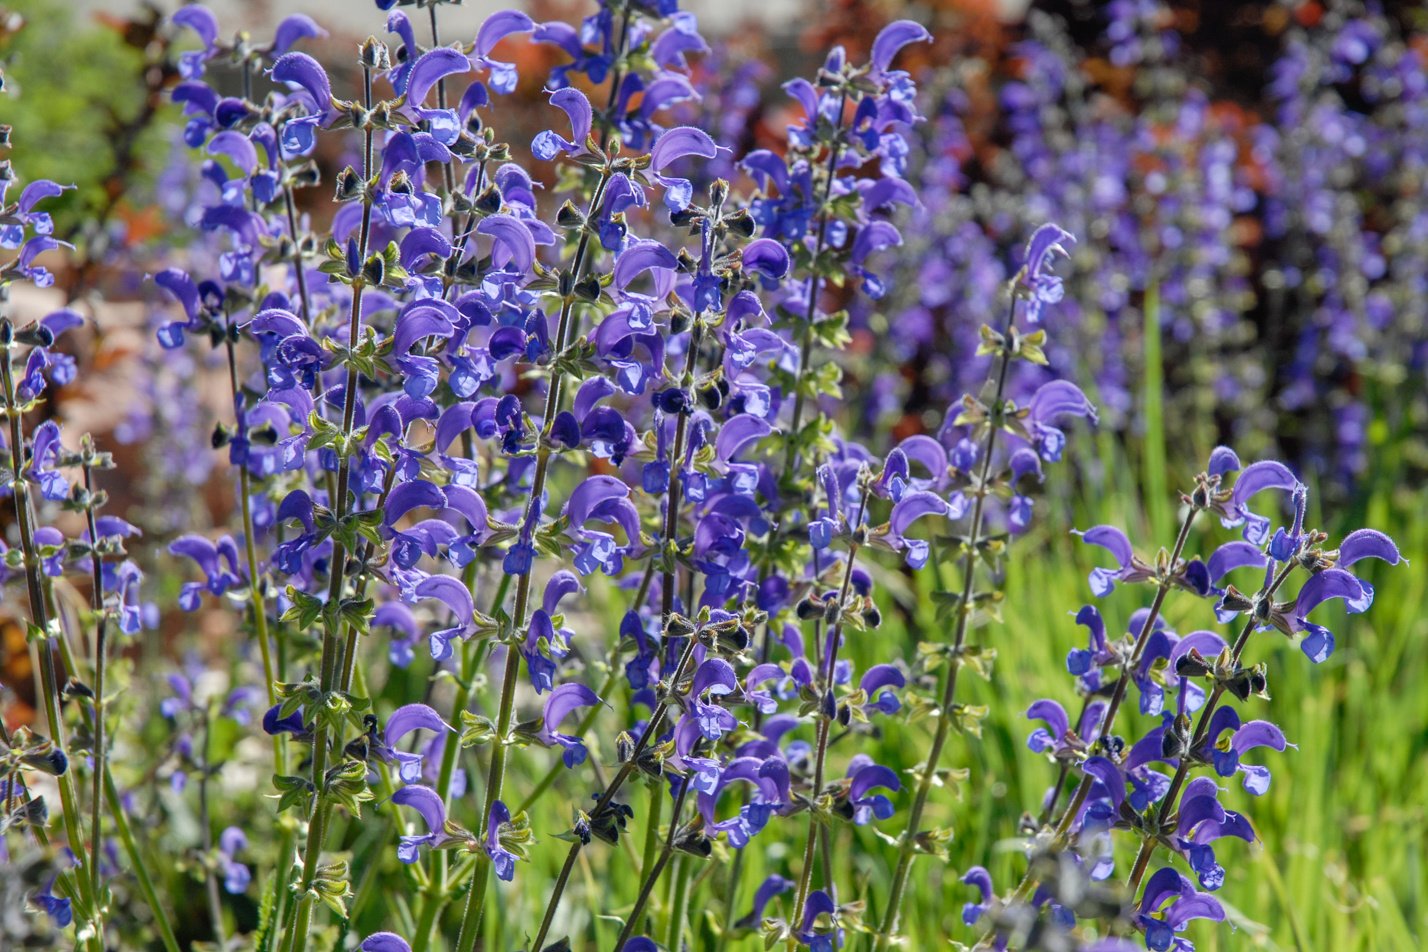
1029 291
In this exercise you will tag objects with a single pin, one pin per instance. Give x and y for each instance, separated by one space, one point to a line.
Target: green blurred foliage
72 85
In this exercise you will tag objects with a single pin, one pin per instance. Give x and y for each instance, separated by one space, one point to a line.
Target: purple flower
878 684
819 905
1318 641
892 38
218 562
563 700
1128 567
301 70
236 876
773 885
676 144
428 803
548 144
979 877
405 720
503 861
865 776
1168 904
1036 282
1256 478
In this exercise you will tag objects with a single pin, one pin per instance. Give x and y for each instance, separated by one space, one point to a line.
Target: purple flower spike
384 942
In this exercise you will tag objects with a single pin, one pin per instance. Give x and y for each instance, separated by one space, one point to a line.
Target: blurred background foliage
1344 866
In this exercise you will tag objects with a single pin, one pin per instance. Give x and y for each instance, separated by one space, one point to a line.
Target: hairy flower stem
296 940
652 729
101 651
304 301
825 721
473 654
364 578
653 872
1202 727
475 900
250 546
835 153
85 896
907 844
655 724
448 174
118 815
678 902
205 827
290 209
1061 835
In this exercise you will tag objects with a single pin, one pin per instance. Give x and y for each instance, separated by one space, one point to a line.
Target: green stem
210 877
475 901
101 651
86 898
250 545
835 152
296 940
825 722
679 906
906 852
674 491
120 818
653 867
